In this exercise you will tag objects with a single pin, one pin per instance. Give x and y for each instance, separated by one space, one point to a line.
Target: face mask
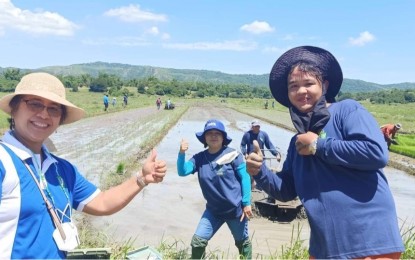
312 121
72 239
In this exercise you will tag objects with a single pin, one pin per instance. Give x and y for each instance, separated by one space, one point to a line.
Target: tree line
114 85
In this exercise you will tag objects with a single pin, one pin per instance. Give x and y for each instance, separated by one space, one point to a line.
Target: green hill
126 72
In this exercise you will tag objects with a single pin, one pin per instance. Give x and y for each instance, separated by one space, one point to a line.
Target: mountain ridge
128 72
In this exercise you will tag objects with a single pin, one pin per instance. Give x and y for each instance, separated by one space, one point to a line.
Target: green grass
394 113
406 145
92 103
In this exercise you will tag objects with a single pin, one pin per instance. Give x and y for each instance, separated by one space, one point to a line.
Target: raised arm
116 198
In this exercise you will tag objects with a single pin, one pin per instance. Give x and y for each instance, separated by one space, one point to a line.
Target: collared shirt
26 226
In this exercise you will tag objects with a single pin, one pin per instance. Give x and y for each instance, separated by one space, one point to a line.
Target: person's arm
116 198
393 132
184 168
362 145
280 186
244 142
245 184
268 144
246 189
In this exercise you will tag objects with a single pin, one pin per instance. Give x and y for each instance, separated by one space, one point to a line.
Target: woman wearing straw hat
334 164
225 185
38 189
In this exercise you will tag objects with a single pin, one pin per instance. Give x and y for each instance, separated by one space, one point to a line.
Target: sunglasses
37 106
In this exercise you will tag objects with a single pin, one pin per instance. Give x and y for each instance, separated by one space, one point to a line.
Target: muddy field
168 211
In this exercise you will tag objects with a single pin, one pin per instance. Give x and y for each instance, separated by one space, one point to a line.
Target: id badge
72 239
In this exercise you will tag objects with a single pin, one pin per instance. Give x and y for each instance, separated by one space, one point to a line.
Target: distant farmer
263 140
106 102
125 100
158 103
389 131
261 136
168 103
114 101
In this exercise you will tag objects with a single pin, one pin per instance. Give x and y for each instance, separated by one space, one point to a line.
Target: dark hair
308 68
14 104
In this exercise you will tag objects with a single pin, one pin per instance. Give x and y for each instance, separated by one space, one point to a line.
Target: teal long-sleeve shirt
226 188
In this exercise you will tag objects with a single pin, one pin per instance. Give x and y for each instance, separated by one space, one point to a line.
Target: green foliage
129 72
382 97
120 168
12 74
393 113
173 250
408 236
406 145
296 249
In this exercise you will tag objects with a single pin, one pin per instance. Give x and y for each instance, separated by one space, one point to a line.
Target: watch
313 147
140 181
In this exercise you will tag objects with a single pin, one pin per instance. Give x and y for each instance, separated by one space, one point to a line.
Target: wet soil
168 211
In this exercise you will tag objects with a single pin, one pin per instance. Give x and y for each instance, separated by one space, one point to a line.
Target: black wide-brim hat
324 60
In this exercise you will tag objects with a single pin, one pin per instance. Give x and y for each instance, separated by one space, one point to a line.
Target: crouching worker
389 131
225 185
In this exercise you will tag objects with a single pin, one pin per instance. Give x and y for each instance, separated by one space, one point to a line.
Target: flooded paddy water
170 211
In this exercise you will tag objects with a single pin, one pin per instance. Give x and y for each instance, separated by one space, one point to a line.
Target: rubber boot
245 248
198 247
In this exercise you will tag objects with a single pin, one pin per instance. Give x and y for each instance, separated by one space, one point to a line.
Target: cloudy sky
373 40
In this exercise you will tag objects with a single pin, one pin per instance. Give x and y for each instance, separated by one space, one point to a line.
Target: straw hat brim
74 113
322 59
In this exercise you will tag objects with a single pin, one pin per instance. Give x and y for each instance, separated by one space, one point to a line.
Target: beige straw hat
47 86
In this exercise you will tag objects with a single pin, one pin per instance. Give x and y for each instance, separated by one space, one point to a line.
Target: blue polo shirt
26 226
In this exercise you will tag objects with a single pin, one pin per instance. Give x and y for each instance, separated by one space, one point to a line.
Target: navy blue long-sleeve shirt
349 205
263 141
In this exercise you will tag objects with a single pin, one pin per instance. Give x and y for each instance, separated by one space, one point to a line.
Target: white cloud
119 41
364 37
154 31
219 46
273 49
257 27
38 22
165 36
133 14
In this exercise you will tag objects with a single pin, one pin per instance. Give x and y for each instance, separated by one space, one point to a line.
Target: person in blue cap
334 163
225 185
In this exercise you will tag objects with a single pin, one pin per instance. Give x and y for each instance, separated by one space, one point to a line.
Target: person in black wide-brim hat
334 163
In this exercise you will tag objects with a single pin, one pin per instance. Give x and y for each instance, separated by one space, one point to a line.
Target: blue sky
372 39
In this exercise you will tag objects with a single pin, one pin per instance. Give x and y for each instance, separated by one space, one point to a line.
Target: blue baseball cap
213 124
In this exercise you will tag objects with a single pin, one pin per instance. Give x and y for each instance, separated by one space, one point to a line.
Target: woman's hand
154 170
184 146
247 212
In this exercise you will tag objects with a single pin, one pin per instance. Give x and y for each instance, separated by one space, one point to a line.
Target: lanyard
43 182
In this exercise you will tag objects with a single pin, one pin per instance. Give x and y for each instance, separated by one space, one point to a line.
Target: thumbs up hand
184 146
153 170
254 160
